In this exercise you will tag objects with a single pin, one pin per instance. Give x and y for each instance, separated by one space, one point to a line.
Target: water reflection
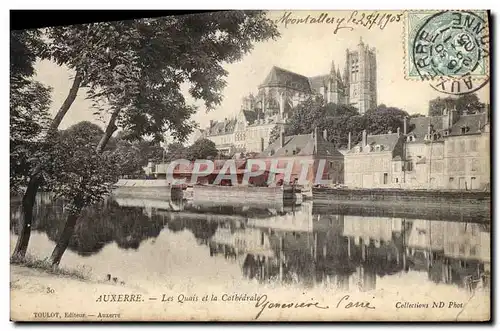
306 245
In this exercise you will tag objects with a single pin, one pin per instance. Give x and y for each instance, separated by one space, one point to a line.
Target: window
385 177
461 146
408 166
461 164
474 165
473 145
451 147
451 179
397 179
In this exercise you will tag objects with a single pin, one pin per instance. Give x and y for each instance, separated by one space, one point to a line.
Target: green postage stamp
450 48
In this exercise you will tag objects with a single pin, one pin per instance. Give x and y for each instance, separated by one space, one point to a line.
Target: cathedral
282 90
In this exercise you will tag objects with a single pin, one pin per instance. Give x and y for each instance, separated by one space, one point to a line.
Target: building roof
388 141
222 127
279 77
250 116
475 124
317 82
419 127
302 145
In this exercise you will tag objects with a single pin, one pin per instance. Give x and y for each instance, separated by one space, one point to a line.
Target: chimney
282 139
325 135
315 137
364 138
454 116
405 126
349 141
446 119
398 131
211 123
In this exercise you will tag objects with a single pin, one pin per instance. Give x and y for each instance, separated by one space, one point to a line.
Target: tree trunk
65 237
36 178
110 129
27 217
70 98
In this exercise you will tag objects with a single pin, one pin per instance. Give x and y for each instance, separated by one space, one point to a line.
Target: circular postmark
451 51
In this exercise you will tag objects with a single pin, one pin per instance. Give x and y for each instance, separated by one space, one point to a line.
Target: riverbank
34 292
41 296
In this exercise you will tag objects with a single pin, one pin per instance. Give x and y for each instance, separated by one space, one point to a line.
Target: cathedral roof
279 77
317 82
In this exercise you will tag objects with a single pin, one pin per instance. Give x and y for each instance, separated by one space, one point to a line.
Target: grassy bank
44 265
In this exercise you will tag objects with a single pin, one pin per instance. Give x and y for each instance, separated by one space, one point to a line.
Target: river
138 242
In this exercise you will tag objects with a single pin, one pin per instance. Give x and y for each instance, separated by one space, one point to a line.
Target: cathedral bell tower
361 74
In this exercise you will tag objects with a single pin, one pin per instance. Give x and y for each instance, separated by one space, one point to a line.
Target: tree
202 149
383 119
128 158
29 104
131 157
175 151
468 102
76 173
141 86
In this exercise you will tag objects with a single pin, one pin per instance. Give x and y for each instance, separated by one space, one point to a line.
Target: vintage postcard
252 166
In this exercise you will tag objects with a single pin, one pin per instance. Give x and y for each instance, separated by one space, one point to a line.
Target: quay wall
147 189
397 196
235 196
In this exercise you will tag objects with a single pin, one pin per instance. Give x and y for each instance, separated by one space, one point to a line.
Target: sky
307 49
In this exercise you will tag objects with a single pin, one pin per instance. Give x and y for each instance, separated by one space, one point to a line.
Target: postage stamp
450 49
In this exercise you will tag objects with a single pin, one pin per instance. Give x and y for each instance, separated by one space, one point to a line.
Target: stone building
467 153
424 152
222 134
440 152
448 152
375 162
